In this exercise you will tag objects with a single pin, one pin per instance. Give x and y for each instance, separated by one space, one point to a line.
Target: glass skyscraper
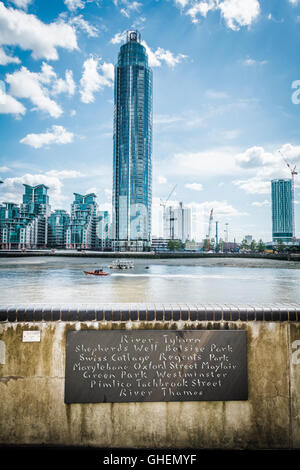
282 213
132 172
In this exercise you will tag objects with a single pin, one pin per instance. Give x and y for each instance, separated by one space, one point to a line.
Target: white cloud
194 186
74 4
200 8
215 94
7 59
251 170
291 152
129 7
255 157
182 3
66 85
93 81
166 119
261 204
9 105
156 58
162 55
161 179
80 23
206 163
119 37
65 174
4 168
236 13
265 166
108 73
255 185
294 2
18 28
221 208
251 62
13 189
58 135
25 84
21 3
239 13
38 87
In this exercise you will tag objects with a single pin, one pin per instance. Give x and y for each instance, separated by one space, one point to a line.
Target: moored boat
121 264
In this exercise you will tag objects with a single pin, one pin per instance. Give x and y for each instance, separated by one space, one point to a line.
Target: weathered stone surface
32 408
294 341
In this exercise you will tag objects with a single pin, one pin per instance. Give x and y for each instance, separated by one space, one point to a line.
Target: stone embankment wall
147 255
32 376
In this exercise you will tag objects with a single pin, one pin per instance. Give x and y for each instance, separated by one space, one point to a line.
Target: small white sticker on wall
2 352
33 336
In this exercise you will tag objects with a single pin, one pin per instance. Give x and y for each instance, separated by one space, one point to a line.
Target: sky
226 99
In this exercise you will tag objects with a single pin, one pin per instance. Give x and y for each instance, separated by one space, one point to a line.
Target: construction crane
211 216
293 173
217 237
164 203
171 218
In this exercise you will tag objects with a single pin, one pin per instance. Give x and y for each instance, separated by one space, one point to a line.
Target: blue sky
226 98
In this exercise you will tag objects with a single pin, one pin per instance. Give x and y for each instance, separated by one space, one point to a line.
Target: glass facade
132 176
25 226
58 224
82 229
282 213
103 230
36 200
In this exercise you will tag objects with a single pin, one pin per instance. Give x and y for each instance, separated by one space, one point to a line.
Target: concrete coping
147 312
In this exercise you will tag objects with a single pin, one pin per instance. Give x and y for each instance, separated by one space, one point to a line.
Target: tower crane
293 173
217 236
211 216
171 218
164 203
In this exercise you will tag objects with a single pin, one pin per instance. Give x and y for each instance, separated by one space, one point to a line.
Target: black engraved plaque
146 365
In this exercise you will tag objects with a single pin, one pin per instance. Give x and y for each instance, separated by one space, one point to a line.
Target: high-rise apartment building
81 233
132 166
58 224
36 205
9 231
282 213
25 226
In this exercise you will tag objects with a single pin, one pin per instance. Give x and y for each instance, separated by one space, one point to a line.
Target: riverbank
146 255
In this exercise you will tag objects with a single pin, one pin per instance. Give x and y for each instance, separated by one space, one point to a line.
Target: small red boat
96 272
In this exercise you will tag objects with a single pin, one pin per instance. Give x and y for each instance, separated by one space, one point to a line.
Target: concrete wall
32 408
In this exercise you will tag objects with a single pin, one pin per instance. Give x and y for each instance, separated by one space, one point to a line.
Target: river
62 280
